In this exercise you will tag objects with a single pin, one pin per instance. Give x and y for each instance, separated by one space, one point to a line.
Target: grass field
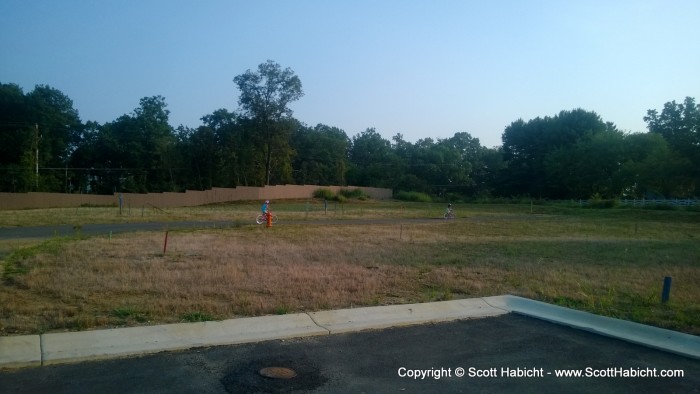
607 261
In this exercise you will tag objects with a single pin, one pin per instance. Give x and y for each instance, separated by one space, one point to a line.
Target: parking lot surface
507 353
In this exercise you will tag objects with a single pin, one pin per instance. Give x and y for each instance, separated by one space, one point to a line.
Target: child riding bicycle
449 212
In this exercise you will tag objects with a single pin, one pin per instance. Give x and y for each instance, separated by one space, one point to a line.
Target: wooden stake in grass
165 244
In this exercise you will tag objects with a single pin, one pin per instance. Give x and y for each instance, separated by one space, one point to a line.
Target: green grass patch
197 317
282 309
129 313
22 260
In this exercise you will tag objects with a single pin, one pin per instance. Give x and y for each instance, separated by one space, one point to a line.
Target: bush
354 193
324 193
413 196
197 317
342 196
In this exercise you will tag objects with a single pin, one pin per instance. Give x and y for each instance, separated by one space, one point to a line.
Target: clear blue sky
422 68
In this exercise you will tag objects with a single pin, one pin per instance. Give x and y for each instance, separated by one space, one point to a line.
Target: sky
421 68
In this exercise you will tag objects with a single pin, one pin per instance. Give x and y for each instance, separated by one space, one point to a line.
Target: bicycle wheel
260 219
274 218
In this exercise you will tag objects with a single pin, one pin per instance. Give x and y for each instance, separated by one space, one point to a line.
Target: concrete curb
55 348
350 320
657 338
20 351
88 345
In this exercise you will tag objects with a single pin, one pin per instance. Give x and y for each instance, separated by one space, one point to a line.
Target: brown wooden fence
189 198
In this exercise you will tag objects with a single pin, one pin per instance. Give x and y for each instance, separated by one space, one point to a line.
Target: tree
679 124
135 153
158 142
264 99
16 140
321 155
650 169
88 154
477 166
586 168
527 145
39 129
410 160
373 162
228 156
199 152
487 170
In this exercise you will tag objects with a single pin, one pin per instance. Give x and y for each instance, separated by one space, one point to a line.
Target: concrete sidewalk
56 348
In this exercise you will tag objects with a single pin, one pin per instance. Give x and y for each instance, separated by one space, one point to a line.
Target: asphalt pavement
507 353
491 344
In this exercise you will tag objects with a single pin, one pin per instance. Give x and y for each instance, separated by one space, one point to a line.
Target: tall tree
650 169
17 141
232 149
321 155
39 132
135 153
476 165
527 145
373 162
679 124
264 99
199 153
586 168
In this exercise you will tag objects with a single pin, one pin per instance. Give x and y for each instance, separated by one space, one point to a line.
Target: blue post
666 293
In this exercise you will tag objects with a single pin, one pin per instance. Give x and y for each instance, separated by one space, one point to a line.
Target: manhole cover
278 373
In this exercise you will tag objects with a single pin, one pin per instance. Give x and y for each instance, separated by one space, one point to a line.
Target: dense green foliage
44 146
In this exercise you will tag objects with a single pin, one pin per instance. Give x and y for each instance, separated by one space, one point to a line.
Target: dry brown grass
612 268
239 211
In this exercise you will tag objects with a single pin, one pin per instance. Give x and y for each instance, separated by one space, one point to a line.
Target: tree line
44 146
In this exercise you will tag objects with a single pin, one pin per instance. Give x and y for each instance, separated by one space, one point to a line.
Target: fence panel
10 201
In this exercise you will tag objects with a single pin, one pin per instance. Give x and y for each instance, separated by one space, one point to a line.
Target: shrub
197 317
354 193
324 193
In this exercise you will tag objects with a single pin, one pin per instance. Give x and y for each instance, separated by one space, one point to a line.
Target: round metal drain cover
278 373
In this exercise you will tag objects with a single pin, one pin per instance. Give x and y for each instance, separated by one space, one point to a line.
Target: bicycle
449 214
262 218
